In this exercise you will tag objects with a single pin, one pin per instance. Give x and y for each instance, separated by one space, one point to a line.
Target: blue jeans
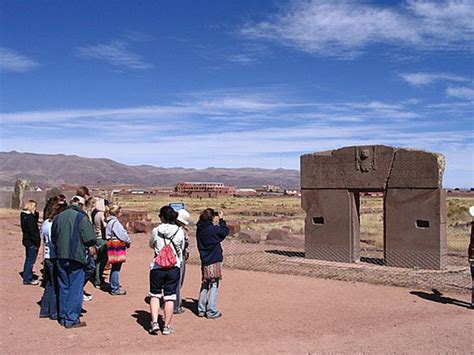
101 261
179 296
472 279
89 270
115 277
208 298
49 302
70 284
31 253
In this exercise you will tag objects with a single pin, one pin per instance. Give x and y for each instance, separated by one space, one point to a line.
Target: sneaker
86 298
167 330
31 283
201 314
75 325
154 327
179 311
214 315
120 292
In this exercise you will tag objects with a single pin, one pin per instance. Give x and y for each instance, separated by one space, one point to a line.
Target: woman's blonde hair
114 210
30 206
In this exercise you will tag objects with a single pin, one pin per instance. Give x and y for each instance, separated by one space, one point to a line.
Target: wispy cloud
249 53
464 93
13 61
246 128
345 29
232 107
116 53
421 79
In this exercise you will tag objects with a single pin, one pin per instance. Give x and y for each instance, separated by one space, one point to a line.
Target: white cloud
15 62
115 53
463 93
344 29
421 79
245 129
233 108
243 126
242 58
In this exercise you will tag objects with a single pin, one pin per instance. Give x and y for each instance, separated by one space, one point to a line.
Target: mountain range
57 169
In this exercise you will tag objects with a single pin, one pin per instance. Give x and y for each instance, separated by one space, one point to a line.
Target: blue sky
237 83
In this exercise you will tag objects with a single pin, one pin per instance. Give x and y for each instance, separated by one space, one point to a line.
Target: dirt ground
262 313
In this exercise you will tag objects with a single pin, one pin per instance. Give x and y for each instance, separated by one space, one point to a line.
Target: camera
216 213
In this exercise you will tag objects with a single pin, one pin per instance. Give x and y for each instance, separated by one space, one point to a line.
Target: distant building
292 193
269 189
203 189
140 192
245 192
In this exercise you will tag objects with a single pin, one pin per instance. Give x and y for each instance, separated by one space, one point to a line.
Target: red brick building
204 189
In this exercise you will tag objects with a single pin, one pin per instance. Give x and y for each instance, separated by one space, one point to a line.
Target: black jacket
29 227
209 238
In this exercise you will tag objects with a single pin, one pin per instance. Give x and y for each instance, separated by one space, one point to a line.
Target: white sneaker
86 298
167 330
154 327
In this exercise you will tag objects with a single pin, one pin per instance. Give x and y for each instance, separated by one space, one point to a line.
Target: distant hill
45 169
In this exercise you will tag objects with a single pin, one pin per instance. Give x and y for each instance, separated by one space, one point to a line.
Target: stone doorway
414 204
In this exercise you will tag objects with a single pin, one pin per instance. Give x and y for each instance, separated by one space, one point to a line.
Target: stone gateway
414 204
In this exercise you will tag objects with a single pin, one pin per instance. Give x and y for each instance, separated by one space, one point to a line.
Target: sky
234 84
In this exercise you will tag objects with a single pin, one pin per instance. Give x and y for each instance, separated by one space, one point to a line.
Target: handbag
116 251
212 273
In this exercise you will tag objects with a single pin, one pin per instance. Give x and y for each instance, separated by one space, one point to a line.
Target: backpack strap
112 230
171 240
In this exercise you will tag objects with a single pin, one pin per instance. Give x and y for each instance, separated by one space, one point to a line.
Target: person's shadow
144 318
437 296
191 304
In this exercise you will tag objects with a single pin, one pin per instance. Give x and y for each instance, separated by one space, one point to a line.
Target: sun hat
183 216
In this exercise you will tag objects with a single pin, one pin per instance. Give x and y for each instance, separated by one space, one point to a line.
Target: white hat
79 199
183 216
471 211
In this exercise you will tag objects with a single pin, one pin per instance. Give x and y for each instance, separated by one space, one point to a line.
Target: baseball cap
79 199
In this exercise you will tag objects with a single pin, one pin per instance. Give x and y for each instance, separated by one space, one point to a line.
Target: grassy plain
263 214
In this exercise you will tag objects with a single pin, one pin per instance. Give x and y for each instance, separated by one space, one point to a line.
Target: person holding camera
209 237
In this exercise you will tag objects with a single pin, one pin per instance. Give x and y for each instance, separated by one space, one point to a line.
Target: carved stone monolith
21 185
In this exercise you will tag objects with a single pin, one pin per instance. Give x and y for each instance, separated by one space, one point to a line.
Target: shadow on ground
191 304
289 253
437 296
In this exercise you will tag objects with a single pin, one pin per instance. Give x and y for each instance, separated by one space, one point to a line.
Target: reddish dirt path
263 313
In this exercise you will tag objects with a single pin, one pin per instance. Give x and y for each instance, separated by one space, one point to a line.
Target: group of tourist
81 239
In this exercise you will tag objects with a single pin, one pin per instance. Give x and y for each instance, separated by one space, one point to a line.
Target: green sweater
71 233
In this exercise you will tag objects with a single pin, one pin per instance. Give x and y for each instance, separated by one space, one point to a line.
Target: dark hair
207 215
56 209
168 215
49 205
83 191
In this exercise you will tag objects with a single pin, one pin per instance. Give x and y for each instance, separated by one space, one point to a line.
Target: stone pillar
19 191
415 228
331 225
